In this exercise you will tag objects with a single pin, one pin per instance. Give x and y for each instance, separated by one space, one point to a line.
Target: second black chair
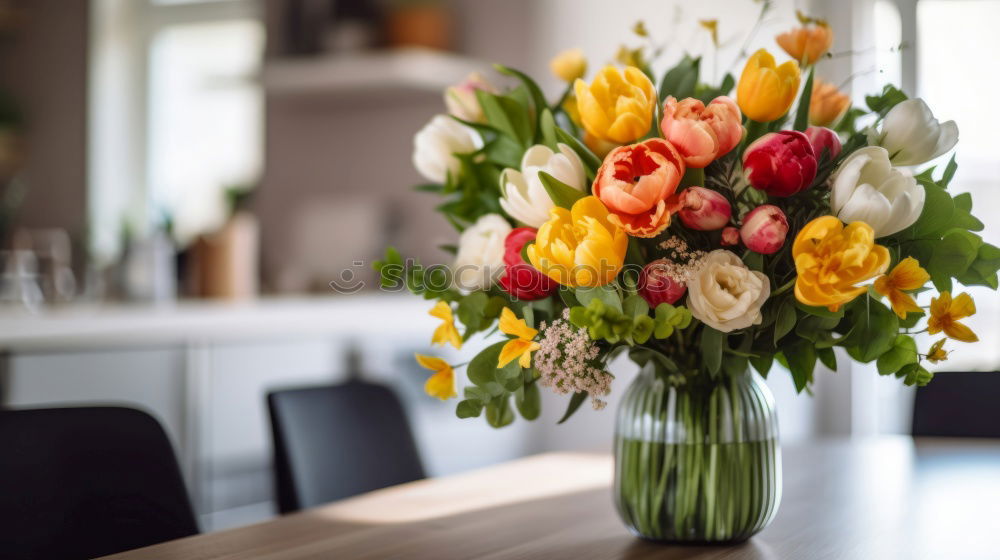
337 441
958 404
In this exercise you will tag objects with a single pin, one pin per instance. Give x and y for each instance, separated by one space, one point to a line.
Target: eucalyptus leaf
574 403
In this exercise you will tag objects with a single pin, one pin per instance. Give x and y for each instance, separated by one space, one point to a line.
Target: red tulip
730 236
657 283
780 163
704 209
823 138
764 229
520 279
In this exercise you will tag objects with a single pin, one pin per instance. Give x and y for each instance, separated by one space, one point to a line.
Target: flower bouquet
706 237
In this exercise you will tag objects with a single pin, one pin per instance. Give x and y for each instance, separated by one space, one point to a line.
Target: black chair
337 441
959 404
86 482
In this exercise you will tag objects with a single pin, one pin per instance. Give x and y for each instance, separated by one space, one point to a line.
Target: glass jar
697 462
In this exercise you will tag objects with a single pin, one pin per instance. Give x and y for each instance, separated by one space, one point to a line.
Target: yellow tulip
579 247
442 383
569 65
446 333
807 43
945 313
905 276
766 91
937 352
827 104
522 345
831 260
616 106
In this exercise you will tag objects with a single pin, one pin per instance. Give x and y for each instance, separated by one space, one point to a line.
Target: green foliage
433 282
681 80
902 353
494 387
574 403
802 113
669 318
711 344
562 195
477 311
886 100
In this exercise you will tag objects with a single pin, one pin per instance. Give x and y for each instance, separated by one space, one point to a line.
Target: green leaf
499 413
681 80
874 331
949 172
507 115
952 256
801 359
589 159
528 401
634 306
802 113
915 374
762 363
902 352
785 321
483 368
561 194
548 128
889 98
574 403
936 215
607 294
712 342
820 311
537 97
469 409
828 357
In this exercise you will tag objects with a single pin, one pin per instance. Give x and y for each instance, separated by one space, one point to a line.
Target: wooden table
874 499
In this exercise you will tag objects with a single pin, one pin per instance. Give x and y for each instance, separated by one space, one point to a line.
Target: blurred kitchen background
181 180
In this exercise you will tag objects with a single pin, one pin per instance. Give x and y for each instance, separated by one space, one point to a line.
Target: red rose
520 279
780 163
657 283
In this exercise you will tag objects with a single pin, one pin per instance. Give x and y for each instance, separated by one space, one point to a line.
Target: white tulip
726 295
867 188
912 134
435 144
479 261
461 99
524 196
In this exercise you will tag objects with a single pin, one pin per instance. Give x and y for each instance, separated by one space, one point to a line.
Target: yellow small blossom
569 65
520 347
442 384
446 333
945 313
712 26
904 277
937 353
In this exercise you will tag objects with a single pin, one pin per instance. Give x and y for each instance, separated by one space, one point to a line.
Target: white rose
479 261
461 99
524 196
867 188
435 143
912 134
725 294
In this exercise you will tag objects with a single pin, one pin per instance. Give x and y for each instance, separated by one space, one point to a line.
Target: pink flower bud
704 209
730 236
764 229
823 138
780 163
658 283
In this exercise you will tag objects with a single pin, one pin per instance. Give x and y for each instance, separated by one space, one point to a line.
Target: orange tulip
702 133
827 104
808 43
637 184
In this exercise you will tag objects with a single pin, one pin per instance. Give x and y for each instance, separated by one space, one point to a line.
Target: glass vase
697 463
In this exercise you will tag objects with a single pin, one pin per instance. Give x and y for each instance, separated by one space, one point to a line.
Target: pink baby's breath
567 361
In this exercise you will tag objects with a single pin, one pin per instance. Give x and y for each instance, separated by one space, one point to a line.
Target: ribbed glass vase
697 463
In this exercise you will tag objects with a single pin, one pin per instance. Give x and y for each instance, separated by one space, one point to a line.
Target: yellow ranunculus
945 313
766 91
569 65
616 106
446 333
521 347
904 277
831 260
579 247
442 383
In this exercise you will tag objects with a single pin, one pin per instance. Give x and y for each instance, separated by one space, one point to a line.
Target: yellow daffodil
442 384
616 106
766 91
904 277
937 353
831 260
519 348
827 104
807 43
945 313
579 247
446 333
569 65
